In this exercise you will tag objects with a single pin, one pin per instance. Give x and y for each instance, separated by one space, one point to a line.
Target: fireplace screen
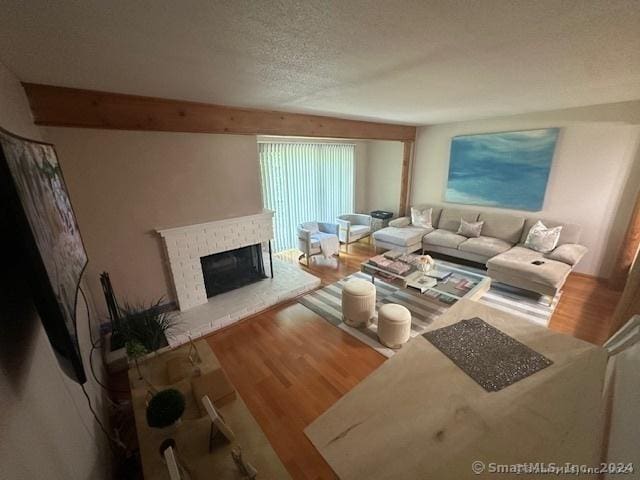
232 269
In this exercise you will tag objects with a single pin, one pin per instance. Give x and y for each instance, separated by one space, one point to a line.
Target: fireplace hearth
232 269
188 248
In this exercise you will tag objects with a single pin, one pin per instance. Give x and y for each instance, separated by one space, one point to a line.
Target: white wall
384 175
126 184
594 176
46 428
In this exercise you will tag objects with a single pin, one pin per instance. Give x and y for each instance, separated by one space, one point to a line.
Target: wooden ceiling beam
70 107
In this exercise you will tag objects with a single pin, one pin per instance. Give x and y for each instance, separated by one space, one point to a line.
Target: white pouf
394 325
358 302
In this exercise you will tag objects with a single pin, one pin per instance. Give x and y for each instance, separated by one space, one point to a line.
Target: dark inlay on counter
490 357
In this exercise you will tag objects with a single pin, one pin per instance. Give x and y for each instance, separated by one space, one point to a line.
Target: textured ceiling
415 62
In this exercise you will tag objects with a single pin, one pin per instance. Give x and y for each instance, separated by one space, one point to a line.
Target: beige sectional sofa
500 245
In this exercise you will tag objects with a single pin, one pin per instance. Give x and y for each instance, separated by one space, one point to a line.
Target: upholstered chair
353 227
310 238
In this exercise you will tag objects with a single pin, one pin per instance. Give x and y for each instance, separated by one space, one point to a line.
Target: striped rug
424 309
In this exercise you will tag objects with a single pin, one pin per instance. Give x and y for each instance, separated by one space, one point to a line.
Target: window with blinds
304 182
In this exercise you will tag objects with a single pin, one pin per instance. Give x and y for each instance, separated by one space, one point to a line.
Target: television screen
33 188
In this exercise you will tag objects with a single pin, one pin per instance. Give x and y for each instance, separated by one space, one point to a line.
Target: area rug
493 359
424 309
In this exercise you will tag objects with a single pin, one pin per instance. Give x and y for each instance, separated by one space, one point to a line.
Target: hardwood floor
585 309
289 365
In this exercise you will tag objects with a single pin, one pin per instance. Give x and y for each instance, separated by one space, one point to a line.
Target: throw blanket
329 244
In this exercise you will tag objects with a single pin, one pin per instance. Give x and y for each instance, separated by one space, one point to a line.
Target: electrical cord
95 346
110 439
86 303
95 415
106 387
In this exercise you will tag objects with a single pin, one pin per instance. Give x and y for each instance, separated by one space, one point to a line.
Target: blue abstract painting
507 169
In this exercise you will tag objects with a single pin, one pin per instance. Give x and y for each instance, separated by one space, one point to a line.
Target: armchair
316 238
353 227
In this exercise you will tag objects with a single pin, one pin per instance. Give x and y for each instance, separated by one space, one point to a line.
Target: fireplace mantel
186 245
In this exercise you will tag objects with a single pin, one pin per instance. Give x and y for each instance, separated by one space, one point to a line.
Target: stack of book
394 266
380 261
438 274
393 254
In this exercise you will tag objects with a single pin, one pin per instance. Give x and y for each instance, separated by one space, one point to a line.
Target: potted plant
136 350
150 325
165 408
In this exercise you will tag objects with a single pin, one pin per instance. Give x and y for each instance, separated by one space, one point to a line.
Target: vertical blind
304 182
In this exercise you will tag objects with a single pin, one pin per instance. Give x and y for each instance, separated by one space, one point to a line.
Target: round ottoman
358 302
394 325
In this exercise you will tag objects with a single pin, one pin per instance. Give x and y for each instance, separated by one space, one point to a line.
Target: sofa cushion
469 229
569 253
450 218
541 238
400 222
404 236
443 238
435 211
570 232
358 230
485 246
421 217
503 226
518 262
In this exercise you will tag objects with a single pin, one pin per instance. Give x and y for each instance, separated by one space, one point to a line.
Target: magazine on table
417 281
396 267
380 261
438 274
457 286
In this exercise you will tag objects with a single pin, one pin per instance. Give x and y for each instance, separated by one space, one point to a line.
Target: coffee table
459 284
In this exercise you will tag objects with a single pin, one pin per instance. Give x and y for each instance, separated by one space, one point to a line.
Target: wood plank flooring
289 365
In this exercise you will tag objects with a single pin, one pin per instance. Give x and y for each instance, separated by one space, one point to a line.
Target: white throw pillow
421 217
542 239
470 229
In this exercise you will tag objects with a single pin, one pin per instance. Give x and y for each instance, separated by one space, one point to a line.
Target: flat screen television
33 189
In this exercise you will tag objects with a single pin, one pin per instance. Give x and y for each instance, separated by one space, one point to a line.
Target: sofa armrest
400 222
346 224
328 227
361 219
344 230
304 234
356 218
569 253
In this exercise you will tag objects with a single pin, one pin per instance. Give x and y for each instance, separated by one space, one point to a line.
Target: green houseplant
136 350
165 408
145 324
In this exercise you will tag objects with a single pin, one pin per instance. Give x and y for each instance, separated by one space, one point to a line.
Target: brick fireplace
187 246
